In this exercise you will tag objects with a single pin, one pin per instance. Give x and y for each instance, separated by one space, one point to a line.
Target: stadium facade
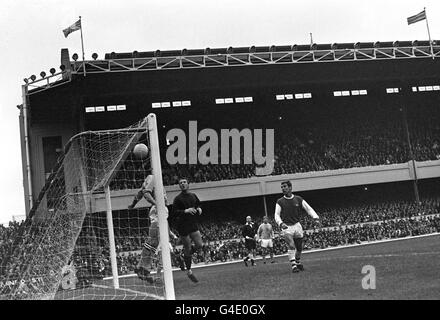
219 87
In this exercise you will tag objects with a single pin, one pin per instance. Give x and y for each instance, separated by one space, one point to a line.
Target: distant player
151 247
249 233
186 208
265 238
288 211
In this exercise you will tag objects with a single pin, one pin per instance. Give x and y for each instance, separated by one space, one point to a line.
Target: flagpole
429 34
82 45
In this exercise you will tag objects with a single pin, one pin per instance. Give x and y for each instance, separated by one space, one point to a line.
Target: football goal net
82 239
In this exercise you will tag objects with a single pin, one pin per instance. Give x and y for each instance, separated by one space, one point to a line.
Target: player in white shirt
288 211
151 247
265 238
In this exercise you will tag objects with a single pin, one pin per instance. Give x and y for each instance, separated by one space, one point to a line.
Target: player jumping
288 211
151 247
265 236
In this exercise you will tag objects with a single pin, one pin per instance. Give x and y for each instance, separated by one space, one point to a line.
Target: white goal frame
161 209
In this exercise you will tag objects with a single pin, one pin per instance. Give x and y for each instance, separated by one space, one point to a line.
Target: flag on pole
416 18
72 28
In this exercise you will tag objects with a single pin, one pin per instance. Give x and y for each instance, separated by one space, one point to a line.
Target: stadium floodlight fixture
95 56
121 107
52 71
436 88
186 103
390 90
229 100
280 96
155 105
307 95
220 101
75 56
111 108
414 89
288 96
33 77
354 92
165 104
363 92
337 93
422 88
248 99
428 88
299 96
345 93
90 109
239 100
43 74
177 103
100 109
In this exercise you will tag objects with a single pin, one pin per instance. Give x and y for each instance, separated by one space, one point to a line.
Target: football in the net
140 151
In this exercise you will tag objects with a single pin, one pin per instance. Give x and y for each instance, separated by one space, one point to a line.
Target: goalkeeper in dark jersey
288 211
151 247
186 210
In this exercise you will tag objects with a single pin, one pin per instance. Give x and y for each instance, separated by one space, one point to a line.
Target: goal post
160 201
72 247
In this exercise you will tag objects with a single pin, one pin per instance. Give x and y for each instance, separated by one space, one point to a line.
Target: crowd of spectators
234 249
222 240
340 226
316 144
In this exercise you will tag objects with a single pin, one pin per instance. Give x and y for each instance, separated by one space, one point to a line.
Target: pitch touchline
377 256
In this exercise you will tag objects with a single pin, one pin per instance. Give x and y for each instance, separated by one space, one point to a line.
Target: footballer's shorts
185 229
266 243
250 244
295 231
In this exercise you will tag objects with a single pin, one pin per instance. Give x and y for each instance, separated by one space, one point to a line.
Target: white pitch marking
377 256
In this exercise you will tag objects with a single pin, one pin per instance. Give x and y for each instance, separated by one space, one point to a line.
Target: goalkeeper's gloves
283 226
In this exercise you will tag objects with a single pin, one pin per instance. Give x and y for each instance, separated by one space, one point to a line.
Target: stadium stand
320 141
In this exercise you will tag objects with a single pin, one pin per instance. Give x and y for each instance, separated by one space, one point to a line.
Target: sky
32 40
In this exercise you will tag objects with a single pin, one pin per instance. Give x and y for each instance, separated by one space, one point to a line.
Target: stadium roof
235 56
